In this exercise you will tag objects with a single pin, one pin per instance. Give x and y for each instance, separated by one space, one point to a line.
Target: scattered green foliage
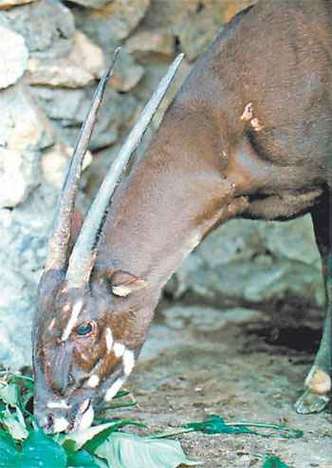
272 461
215 424
23 444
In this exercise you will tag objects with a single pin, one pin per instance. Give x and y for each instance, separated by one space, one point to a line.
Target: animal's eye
85 328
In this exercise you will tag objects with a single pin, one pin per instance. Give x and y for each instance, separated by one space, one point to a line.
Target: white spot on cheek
93 381
58 404
109 339
122 291
128 361
256 125
73 319
119 349
113 390
60 424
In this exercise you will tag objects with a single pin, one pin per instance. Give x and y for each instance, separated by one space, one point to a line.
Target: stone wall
52 53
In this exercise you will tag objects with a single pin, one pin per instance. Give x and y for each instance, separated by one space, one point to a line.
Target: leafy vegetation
24 445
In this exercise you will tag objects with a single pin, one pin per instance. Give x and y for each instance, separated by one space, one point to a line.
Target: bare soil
252 368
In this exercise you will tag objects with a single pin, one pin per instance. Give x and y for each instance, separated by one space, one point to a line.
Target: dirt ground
240 364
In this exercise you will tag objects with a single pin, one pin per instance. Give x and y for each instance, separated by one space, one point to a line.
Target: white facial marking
119 349
248 112
60 424
113 390
128 361
109 339
93 381
51 325
73 319
122 291
58 404
256 125
87 419
66 308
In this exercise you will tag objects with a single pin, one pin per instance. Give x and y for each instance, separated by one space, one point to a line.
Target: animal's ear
124 283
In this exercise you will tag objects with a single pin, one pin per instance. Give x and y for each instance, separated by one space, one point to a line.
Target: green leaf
272 461
122 450
15 427
8 452
41 451
215 424
81 459
9 394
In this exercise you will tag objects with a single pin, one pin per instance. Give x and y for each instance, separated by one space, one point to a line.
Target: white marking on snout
93 381
119 349
113 390
58 404
109 339
87 419
128 361
73 319
60 424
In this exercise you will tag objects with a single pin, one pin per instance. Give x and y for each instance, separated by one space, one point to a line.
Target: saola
248 135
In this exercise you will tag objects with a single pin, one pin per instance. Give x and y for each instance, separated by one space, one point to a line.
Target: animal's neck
171 199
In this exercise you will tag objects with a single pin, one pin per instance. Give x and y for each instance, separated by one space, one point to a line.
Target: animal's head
89 328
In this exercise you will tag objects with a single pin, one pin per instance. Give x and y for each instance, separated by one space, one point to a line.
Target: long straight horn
60 235
82 257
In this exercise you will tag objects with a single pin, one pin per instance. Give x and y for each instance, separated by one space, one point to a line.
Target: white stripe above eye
72 320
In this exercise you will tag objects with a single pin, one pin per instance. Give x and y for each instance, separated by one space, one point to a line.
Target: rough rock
147 44
5 4
47 27
54 163
22 252
68 108
20 144
254 261
206 319
81 67
13 57
112 23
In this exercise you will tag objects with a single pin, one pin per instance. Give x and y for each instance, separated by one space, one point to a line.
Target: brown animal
248 134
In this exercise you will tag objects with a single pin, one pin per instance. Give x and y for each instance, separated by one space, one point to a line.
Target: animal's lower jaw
84 417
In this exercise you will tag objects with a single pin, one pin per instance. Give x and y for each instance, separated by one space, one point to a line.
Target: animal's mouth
83 417
79 418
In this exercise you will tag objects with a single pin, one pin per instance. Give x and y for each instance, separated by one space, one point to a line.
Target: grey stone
207 319
13 57
254 261
24 131
112 23
81 67
47 27
68 109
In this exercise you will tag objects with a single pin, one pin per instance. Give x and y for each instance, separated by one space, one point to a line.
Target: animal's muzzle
58 416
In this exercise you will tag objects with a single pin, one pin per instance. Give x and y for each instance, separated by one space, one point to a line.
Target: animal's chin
83 418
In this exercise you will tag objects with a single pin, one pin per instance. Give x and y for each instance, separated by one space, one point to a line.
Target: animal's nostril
49 421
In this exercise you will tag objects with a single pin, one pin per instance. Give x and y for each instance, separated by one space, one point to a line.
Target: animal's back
276 55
